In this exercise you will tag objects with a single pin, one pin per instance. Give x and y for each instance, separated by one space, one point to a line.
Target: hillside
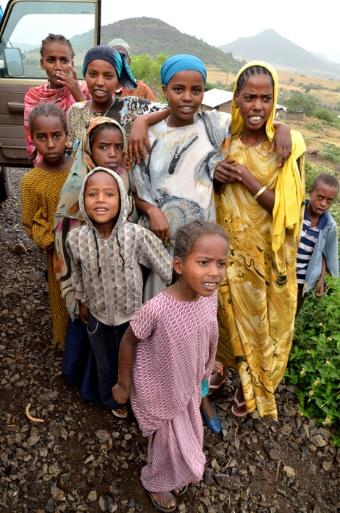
152 36
281 52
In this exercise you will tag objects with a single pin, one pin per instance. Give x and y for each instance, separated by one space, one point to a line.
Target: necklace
100 113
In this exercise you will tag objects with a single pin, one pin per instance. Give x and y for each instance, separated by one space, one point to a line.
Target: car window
27 27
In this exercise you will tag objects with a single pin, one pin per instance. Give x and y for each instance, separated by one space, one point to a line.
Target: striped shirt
309 236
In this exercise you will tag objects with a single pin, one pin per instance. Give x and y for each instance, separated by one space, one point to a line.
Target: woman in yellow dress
259 205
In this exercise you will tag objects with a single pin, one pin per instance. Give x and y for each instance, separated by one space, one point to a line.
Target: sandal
159 506
120 413
181 491
238 405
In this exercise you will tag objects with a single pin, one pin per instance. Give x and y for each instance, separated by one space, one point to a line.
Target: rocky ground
81 459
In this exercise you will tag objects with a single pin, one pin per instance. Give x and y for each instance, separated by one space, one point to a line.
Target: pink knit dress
176 351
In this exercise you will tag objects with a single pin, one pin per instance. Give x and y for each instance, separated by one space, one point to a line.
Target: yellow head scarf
289 188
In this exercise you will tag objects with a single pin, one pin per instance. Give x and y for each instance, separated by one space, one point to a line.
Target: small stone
92 496
57 494
289 471
89 459
274 454
286 430
20 248
103 435
319 441
181 508
327 465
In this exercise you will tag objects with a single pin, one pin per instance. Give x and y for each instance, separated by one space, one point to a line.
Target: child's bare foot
163 501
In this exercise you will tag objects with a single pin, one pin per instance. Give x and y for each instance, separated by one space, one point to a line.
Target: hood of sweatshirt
124 201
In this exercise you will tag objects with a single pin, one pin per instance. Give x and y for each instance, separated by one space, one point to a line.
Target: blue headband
182 62
119 62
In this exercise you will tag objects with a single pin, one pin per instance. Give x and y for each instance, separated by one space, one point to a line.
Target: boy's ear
177 263
41 63
164 91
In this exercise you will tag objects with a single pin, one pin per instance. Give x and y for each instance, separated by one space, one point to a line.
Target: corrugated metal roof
216 97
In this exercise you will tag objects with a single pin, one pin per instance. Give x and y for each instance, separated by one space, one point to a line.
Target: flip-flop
181 491
120 413
238 405
159 506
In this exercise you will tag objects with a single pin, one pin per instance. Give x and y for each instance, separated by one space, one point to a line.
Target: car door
24 24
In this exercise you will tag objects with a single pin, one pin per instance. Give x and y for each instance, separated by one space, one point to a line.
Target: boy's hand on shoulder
282 143
120 393
83 313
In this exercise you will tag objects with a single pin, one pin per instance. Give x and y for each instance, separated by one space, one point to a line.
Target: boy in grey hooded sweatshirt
106 253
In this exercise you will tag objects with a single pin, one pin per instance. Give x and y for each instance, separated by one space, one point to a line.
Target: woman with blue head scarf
104 69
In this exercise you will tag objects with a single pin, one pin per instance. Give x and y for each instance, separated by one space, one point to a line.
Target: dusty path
82 460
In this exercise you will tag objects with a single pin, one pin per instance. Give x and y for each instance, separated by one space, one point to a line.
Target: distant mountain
281 52
152 36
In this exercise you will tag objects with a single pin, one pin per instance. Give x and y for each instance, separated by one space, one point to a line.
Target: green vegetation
298 102
332 153
314 361
147 68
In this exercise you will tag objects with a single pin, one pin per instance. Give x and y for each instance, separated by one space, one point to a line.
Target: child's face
203 269
255 101
107 148
102 199
322 197
101 79
49 137
56 60
184 93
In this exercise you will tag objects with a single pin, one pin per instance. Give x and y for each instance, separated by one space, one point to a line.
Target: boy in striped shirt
318 247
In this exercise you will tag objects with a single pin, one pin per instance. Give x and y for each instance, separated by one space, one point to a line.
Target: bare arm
282 142
231 172
138 144
121 391
320 285
158 222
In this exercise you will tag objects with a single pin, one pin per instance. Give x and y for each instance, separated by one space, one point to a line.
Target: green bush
331 152
298 102
325 115
314 362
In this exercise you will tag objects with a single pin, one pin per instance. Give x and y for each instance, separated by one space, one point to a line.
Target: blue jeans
105 342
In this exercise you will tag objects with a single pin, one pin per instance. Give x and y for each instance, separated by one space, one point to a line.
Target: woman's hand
138 143
120 393
158 223
84 313
282 143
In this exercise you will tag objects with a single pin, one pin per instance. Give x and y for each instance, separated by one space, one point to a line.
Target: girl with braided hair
258 203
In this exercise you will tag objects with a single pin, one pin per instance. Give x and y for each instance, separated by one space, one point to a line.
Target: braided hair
52 38
247 73
46 110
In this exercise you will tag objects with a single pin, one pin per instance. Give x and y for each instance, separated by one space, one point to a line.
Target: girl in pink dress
165 354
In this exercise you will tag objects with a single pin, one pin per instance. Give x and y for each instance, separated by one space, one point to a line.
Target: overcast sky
313 25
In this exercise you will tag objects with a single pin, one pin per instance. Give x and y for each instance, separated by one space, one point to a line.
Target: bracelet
259 192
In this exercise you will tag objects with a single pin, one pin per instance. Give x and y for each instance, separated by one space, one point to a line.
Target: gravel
81 459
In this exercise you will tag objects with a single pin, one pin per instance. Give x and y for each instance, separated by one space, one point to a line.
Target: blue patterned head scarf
105 53
182 62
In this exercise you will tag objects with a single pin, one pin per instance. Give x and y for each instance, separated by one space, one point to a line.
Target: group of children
116 239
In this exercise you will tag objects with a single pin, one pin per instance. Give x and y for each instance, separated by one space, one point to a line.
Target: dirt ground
81 459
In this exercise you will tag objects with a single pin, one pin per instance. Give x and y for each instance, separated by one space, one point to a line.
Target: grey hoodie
106 274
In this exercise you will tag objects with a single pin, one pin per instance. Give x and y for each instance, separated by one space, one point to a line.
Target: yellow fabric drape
257 299
40 190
